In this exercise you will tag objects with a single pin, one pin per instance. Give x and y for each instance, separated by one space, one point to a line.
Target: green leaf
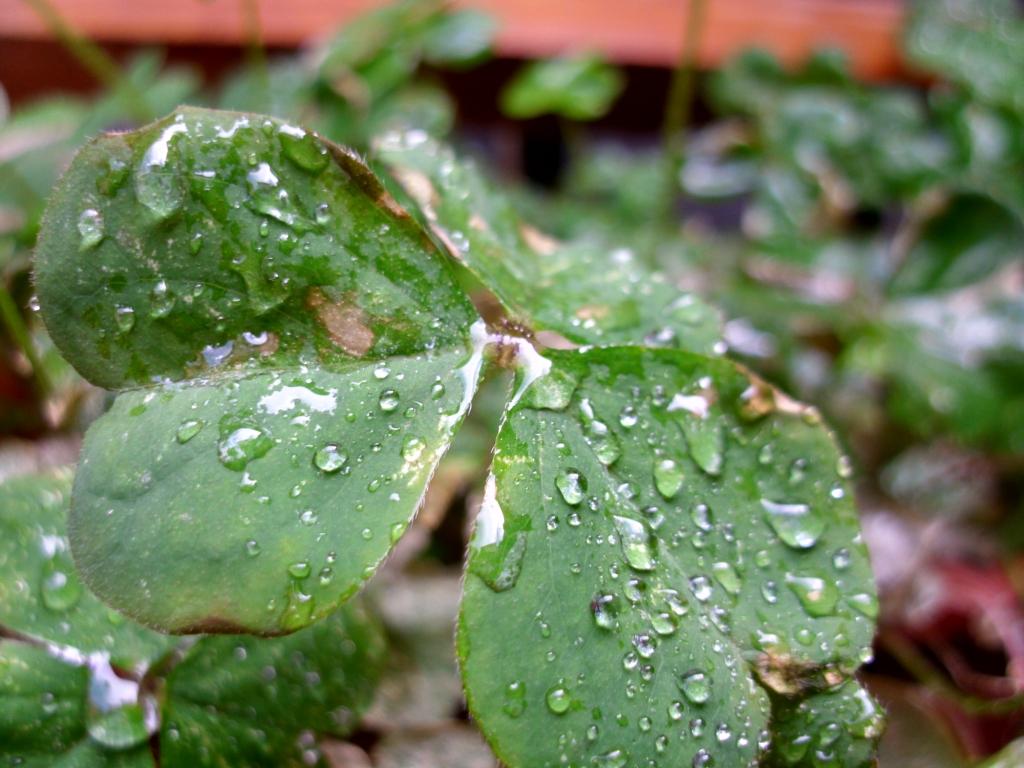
968 240
580 87
586 292
978 44
459 38
249 701
298 353
43 702
41 596
662 535
43 713
839 726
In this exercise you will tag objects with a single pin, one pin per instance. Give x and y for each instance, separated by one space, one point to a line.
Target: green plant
83 686
668 543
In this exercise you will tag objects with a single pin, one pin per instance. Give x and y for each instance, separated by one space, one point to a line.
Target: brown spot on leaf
761 398
783 674
345 323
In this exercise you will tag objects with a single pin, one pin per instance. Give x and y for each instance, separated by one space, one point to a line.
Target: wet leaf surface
266 702
43 714
296 356
840 726
694 542
41 595
584 291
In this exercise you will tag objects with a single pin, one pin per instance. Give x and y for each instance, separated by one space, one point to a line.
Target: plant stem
94 59
679 106
18 331
255 53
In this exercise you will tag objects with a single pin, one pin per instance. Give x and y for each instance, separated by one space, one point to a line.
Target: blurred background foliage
865 242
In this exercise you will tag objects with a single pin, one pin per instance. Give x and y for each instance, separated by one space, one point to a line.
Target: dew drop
818 596
303 149
412 448
329 459
90 227
668 477
558 699
189 429
59 586
628 417
635 540
842 559
701 516
124 318
726 575
161 300
515 699
605 612
795 525
696 686
865 603
240 446
644 644
572 485
388 400
701 587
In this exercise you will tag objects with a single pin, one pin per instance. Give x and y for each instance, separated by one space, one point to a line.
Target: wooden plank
648 32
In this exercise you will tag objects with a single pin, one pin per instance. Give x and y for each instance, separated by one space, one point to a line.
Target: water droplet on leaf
90 227
572 485
329 459
794 524
188 429
696 686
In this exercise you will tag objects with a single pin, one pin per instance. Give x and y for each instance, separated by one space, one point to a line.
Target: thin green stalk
256 54
94 59
15 324
679 106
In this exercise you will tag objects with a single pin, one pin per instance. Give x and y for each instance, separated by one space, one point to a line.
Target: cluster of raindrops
711 540
373 448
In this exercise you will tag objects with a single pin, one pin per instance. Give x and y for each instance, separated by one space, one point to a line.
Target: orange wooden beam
628 31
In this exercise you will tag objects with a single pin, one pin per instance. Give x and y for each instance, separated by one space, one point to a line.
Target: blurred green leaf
978 44
459 38
236 701
580 87
968 240
40 594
